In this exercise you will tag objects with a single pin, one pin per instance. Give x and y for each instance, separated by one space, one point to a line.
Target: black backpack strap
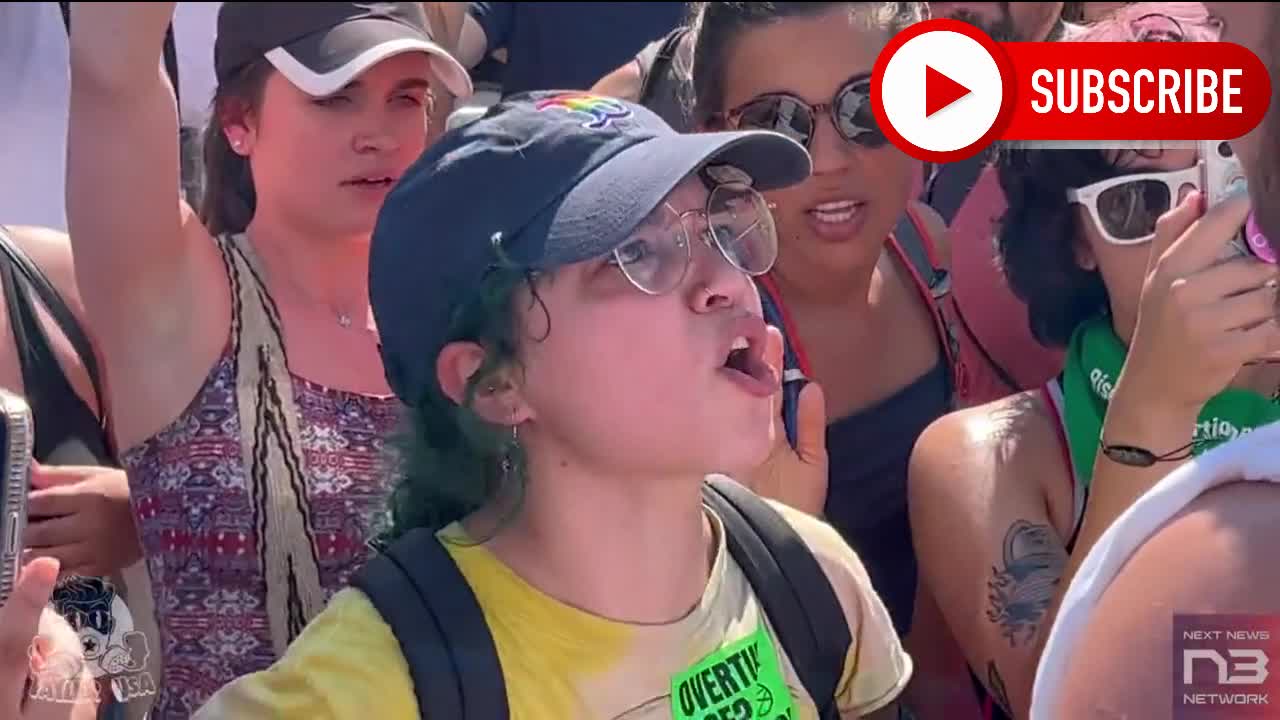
950 185
58 310
947 191
653 69
170 50
938 281
171 66
791 585
912 244
420 592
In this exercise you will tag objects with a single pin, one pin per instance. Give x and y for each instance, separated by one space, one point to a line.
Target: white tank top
1253 457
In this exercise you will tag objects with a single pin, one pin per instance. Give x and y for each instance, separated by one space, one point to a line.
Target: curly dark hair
1036 243
452 461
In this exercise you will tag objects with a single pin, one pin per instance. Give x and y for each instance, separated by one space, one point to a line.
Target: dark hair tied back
229 198
717 25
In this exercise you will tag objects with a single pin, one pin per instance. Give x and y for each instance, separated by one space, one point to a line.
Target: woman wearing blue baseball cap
577 358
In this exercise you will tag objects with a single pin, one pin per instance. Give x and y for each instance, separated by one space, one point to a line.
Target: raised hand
1200 319
795 476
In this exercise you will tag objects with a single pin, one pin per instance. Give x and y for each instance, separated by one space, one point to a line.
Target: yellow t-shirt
560 662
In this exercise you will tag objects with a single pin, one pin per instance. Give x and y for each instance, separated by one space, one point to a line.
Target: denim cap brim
600 212
539 184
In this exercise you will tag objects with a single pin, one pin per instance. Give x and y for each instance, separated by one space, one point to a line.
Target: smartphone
16 440
1221 178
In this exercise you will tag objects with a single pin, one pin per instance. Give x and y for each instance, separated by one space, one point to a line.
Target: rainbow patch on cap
601 111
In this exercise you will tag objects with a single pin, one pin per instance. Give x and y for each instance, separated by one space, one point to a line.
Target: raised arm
484 30
991 501
150 277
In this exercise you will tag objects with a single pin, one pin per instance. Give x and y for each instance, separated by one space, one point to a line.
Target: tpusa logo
1222 666
114 652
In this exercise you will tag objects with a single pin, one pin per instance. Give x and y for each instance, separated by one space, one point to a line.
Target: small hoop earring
508 464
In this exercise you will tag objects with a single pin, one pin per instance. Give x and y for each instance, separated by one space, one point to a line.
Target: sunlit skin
304 150
835 273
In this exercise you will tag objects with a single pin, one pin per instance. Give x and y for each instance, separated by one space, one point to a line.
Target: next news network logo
1222 667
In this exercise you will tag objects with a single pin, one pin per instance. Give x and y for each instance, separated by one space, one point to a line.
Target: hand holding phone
1223 177
16 446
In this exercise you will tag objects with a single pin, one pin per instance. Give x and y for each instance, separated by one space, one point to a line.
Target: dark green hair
451 461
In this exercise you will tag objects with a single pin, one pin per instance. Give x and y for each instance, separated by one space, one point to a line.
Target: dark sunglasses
787 114
1155 27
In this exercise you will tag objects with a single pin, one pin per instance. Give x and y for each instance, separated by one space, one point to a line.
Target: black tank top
67 430
868 454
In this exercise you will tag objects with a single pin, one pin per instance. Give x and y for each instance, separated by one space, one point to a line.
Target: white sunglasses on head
1125 208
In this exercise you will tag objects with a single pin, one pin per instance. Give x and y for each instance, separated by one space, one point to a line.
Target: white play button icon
939 90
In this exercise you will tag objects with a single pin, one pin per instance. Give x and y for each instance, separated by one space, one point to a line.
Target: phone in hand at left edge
16 443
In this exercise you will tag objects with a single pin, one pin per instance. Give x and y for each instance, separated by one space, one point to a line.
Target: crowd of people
658 385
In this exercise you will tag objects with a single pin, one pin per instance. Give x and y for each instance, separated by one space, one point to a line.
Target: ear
237 123
497 399
1085 259
1081 228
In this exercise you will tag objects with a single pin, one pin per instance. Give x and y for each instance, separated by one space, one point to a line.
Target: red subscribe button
943 91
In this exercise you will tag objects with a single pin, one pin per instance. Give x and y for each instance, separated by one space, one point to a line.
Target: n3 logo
1250 666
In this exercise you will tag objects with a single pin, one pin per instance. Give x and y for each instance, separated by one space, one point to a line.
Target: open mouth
744 362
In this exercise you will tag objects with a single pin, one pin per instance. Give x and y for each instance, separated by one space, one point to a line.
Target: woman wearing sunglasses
860 322
1120 264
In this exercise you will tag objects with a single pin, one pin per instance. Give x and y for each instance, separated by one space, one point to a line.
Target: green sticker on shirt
741 681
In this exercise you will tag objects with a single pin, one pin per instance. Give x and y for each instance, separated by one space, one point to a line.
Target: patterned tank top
200 510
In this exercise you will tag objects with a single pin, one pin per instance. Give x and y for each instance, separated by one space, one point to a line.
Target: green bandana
1094 360
742 680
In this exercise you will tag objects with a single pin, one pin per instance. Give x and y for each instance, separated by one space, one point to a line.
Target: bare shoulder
1216 556
1223 546
50 250
623 83
1007 434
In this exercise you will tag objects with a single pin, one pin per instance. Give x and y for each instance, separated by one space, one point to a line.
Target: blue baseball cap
542 180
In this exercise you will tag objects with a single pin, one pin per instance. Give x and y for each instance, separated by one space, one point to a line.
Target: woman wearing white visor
246 396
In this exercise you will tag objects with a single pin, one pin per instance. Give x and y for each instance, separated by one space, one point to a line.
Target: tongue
754 367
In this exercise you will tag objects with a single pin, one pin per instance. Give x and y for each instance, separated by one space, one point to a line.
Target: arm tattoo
1021 588
995 684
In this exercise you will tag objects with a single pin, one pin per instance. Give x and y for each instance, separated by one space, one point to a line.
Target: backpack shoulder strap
422 594
792 587
935 281
653 68
57 308
918 251
794 361
951 183
171 67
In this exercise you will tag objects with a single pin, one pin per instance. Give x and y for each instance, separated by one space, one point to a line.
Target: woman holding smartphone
1120 262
